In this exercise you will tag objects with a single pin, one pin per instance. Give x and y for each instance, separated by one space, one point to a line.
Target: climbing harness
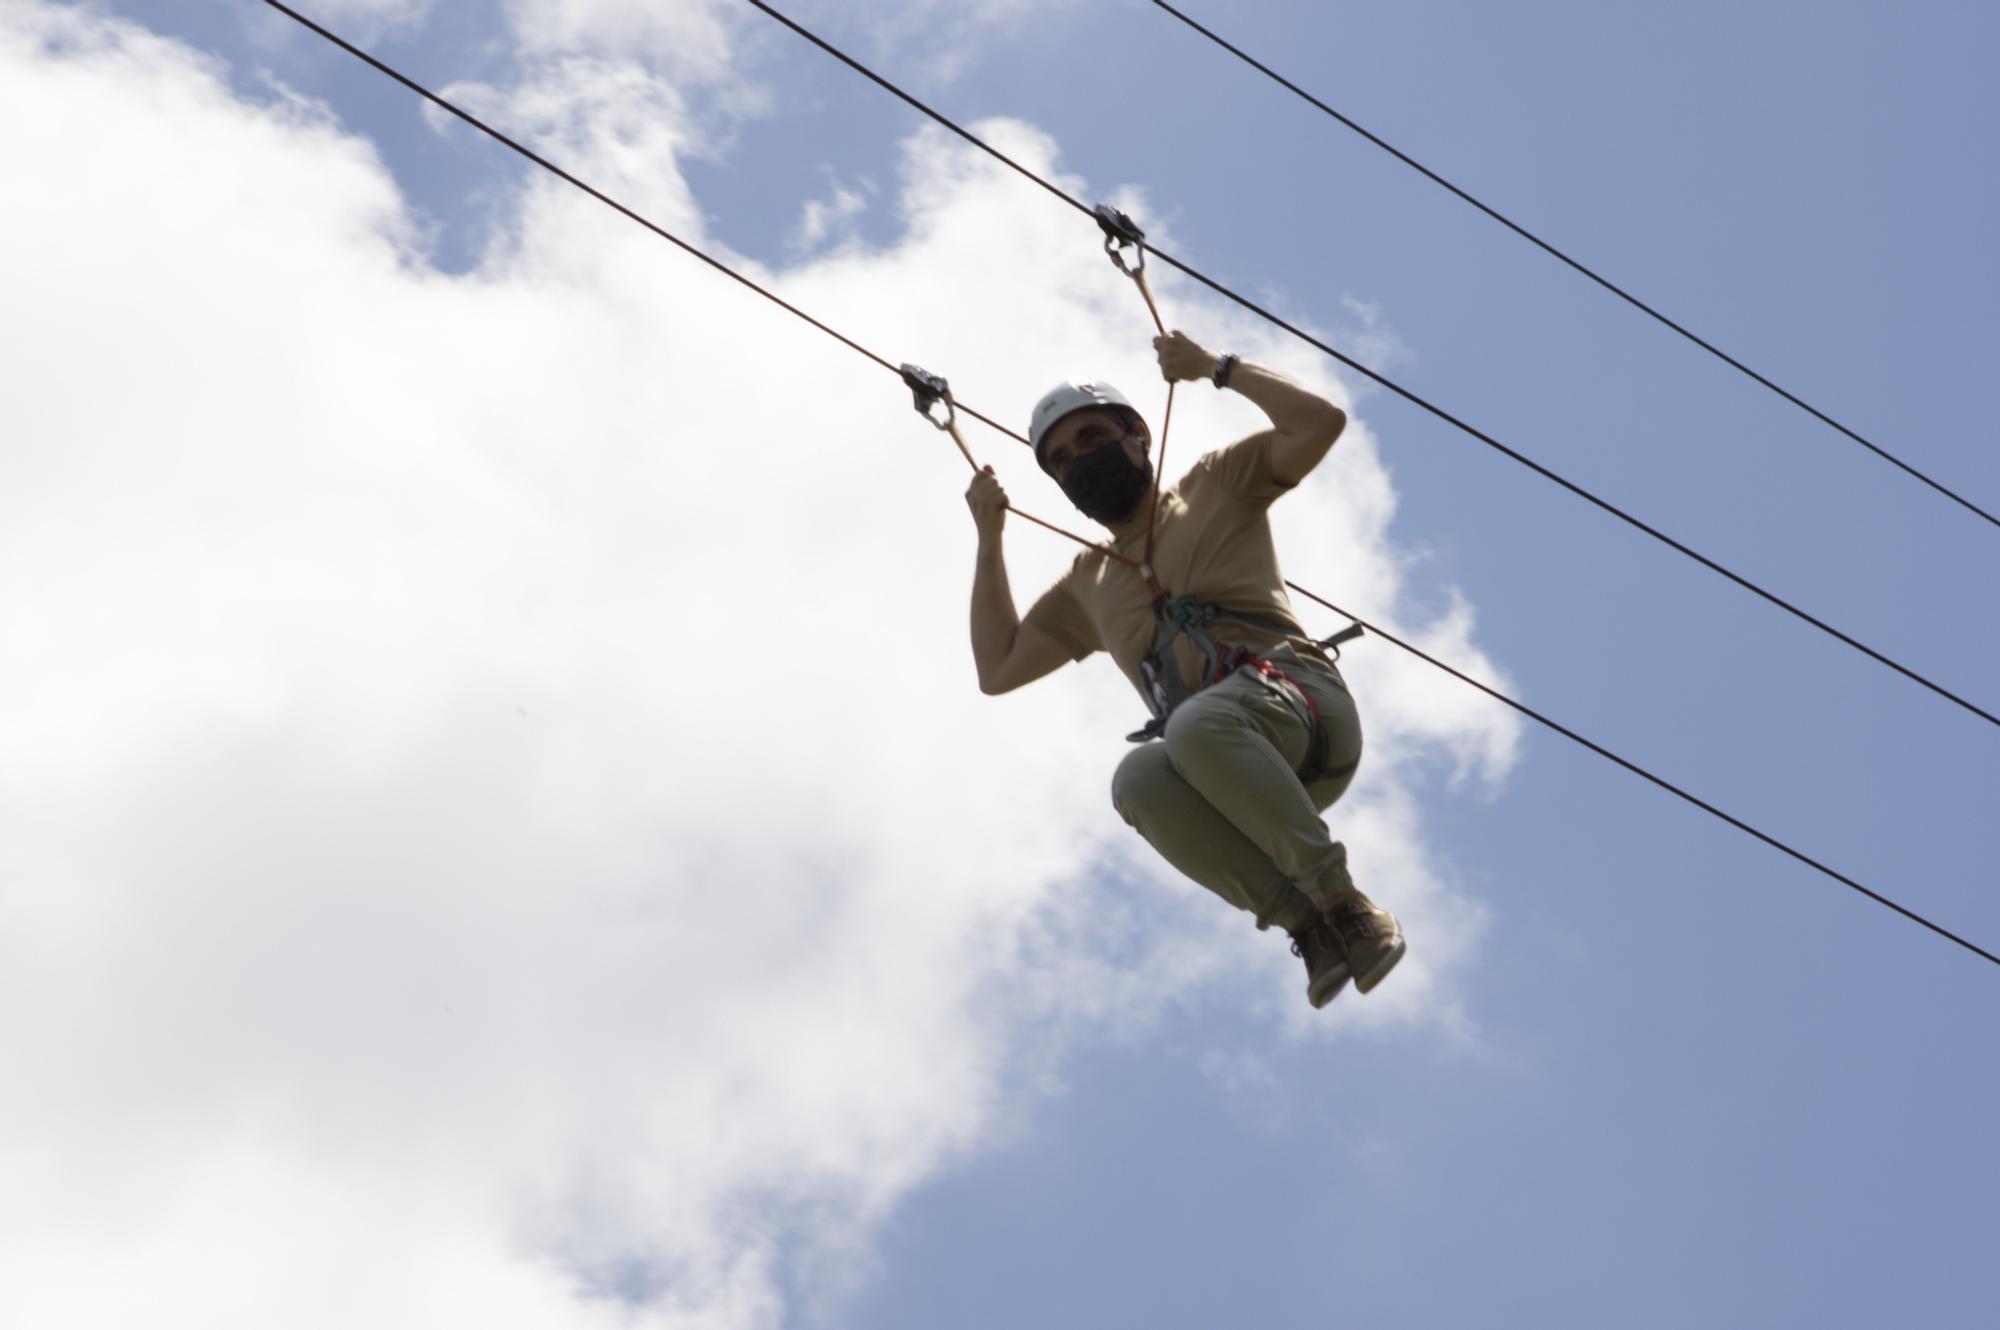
1164 691
1184 616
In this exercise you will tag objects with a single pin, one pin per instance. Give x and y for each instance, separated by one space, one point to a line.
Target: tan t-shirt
1213 542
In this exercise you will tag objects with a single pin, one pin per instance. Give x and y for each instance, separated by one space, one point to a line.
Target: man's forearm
1293 409
994 622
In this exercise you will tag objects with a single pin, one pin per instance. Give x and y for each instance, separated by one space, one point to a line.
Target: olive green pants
1220 796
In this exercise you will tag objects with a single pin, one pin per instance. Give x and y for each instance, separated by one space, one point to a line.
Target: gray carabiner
929 389
1120 232
1345 635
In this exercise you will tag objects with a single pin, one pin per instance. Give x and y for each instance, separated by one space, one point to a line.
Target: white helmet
1066 399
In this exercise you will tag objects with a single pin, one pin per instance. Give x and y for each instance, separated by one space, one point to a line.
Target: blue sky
1678 1079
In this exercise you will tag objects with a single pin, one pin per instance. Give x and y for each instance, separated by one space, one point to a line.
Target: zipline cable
1121 232
1563 730
657 230
1638 770
1394 387
1602 281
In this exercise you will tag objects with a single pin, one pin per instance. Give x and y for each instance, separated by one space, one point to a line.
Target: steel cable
1394 387
1563 730
1602 281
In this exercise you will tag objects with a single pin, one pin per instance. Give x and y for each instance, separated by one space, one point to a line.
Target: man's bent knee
1139 774
1199 719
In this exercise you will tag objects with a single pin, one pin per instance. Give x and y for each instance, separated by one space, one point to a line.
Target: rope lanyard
1120 234
931 390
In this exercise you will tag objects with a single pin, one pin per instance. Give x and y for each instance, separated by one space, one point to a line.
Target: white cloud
362 21
691 41
702 41
563 26
371 17
497 826
612 123
826 220
931 42
377 12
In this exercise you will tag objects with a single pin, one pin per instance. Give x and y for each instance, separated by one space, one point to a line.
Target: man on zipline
1258 731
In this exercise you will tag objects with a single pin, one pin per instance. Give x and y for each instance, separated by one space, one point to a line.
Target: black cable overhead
1394 387
723 268
1602 281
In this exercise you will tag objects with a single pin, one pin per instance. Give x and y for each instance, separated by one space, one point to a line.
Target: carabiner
1119 232
1345 635
929 389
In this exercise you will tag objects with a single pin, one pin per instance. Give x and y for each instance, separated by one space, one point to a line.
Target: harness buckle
929 389
1235 659
1158 700
1120 233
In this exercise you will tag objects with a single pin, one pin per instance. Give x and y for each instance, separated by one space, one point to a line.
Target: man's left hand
1181 359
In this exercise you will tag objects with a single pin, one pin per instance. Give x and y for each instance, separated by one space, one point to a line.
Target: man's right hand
988 503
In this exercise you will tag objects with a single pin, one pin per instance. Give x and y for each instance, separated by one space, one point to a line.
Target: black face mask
1105 486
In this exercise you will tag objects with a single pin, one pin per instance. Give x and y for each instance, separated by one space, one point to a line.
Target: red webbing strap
1242 656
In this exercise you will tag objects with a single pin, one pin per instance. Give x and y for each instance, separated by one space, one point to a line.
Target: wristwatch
1223 366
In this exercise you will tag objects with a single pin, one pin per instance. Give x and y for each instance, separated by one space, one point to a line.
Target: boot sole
1380 970
1331 992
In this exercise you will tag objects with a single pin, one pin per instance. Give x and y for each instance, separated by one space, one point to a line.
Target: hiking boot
1369 938
1326 962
